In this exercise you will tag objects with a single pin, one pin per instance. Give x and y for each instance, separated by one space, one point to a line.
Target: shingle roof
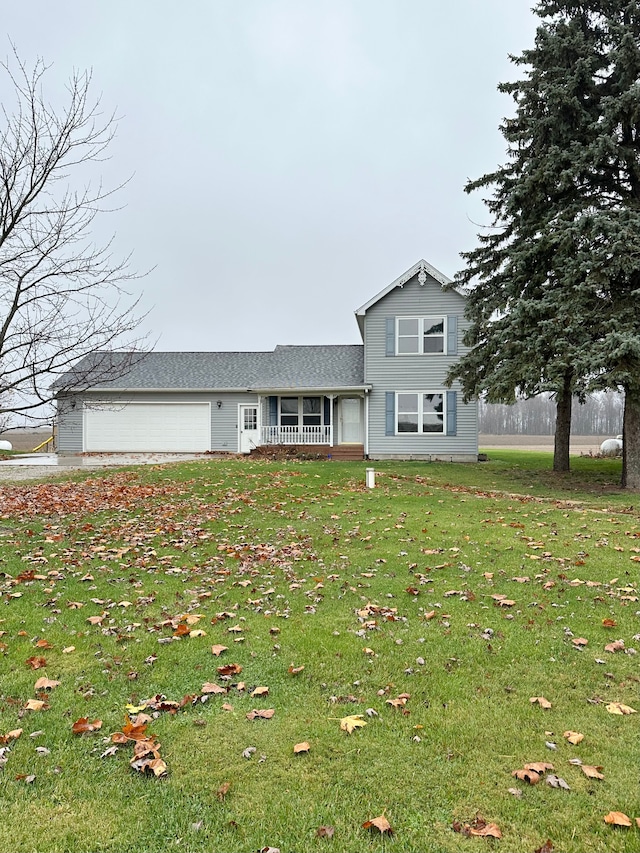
323 367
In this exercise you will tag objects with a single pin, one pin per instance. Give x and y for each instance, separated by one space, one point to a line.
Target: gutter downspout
366 424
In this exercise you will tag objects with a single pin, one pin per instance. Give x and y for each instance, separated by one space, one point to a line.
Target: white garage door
148 427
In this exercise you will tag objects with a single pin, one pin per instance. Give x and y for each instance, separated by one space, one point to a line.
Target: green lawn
127 579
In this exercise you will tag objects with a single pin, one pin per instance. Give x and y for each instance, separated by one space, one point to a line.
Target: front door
350 421
249 432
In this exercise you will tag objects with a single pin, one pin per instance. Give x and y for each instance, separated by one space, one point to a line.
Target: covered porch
313 421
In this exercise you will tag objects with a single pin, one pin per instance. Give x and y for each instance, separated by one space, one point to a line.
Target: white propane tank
5 445
611 447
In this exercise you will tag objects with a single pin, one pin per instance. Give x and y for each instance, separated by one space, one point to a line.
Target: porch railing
296 435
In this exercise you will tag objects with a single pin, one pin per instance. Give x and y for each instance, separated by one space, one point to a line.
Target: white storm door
249 429
350 420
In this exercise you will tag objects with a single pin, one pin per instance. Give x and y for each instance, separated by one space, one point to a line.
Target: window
420 335
420 412
300 410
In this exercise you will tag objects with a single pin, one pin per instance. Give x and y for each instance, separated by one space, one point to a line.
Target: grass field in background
435 606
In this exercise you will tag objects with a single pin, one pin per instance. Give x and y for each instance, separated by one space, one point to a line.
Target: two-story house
382 399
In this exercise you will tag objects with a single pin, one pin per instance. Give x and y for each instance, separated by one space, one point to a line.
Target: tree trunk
631 440
564 400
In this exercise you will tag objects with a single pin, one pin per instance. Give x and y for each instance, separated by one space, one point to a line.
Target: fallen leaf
573 737
210 687
540 700
557 782
349 724
260 691
68 649
83 725
197 632
539 766
302 747
45 684
35 705
325 831
43 644
36 662
617 819
14 734
226 706
580 642
616 646
295 670
248 752
380 823
218 649
264 714
591 772
478 827
609 623
229 669
223 790
619 708
547 847
529 776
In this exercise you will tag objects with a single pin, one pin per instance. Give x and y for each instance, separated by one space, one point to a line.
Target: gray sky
290 158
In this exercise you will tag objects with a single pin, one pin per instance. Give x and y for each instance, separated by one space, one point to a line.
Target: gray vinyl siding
69 426
414 373
224 420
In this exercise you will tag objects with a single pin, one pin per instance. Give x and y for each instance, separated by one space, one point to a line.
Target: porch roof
287 368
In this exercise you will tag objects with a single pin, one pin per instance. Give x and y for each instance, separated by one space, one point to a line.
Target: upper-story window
420 335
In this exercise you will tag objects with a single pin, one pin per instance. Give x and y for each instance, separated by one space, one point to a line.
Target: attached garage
147 427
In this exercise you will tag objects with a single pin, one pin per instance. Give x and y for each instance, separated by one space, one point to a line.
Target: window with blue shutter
273 411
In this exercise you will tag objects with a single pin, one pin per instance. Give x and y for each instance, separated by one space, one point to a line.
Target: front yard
213 630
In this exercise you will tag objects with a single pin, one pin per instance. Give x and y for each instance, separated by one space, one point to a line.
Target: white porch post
331 399
366 424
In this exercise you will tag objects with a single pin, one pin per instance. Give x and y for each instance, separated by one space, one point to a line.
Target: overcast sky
289 158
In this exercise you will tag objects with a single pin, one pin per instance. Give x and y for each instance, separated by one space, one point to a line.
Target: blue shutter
452 335
273 411
390 413
452 412
390 336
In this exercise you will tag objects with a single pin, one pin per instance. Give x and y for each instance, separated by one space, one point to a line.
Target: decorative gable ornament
422 276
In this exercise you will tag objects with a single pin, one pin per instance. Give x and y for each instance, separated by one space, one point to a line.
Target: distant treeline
601 415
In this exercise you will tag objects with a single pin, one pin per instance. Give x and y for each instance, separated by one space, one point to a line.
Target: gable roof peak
422 269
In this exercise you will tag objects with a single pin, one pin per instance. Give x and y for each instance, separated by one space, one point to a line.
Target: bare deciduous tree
61 295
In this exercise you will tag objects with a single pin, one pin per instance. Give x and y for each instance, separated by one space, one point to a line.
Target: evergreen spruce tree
555 283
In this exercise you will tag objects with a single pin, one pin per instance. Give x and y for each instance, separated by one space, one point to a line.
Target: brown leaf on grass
573 737
264 714
226 706
609 623
36 705
380 823
400 701
529 776
218 649
477 827
580 642
229 669
223 790
45 684
84 725
95 620
591 772
68 649
620 709
209 687
617 819
539 766
156 766
14 734
616 646
295 670
368 651
36 662
547 847
43 644
428 616
305 746
540 700
260 691
325 831
352 722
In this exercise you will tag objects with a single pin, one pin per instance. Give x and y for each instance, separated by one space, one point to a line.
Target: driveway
35 466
